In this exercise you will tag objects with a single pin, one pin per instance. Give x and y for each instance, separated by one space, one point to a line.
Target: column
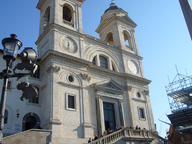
121 113
88 127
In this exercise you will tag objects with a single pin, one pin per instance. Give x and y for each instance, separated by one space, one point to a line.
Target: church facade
86 85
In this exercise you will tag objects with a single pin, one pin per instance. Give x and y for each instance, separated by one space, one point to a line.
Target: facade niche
46 18
68 14
127 39
109 38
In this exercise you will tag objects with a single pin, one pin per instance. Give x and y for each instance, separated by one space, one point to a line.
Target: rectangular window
70 102
141 113
103 62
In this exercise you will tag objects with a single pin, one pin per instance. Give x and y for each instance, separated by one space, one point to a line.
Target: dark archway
30 120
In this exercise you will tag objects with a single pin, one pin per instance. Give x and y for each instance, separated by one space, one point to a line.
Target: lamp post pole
2 107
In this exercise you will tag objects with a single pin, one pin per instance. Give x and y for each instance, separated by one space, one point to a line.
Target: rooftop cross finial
112 1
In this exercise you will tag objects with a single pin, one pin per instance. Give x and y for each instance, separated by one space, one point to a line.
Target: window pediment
109 86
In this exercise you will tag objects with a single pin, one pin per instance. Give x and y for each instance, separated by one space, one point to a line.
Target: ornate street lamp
28 56
11 47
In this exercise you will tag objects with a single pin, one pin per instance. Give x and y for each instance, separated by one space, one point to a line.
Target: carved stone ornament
85 77
146 92
54 68
129 88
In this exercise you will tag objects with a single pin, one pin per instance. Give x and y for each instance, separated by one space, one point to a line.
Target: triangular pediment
109 86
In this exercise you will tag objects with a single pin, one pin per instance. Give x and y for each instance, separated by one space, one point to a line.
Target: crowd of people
106 132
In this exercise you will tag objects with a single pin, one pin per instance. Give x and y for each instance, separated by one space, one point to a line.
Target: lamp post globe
11 47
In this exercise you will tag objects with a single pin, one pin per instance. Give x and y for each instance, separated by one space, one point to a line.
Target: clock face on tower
133 67
68 44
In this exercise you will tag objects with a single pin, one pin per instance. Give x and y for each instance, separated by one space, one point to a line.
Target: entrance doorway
109 116
30 120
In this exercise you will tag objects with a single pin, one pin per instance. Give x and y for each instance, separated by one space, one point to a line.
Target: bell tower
66 13
60 25
59 39
116 28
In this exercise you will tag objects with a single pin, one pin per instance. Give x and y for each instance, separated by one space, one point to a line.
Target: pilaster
121 111
88 128
99 115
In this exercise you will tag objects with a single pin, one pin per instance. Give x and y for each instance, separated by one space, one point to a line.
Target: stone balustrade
128 135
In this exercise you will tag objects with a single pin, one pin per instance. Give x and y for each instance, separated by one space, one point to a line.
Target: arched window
68 15
6 116
46 18
103 62
127 39
109 38
36 99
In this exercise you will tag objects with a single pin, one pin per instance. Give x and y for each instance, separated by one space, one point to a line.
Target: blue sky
162 37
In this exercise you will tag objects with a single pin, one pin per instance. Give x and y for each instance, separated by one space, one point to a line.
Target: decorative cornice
88 64
136 78
139 100
70 85
113 96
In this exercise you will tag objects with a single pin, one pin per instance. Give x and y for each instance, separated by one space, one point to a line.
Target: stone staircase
32 136
128 135
41 136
